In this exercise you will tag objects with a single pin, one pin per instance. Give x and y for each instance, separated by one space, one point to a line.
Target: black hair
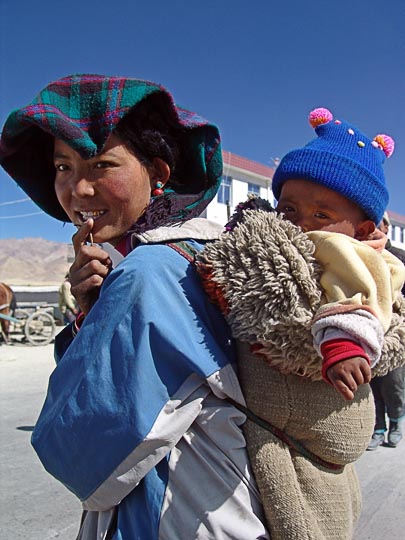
151 130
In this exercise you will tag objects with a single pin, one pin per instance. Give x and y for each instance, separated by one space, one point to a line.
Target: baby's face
316 208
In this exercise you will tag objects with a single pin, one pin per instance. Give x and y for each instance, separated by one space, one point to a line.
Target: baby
336 184
311 291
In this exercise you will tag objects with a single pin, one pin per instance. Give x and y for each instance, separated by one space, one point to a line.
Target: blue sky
254 68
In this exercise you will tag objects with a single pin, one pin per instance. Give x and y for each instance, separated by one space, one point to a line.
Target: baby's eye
286 208
321 215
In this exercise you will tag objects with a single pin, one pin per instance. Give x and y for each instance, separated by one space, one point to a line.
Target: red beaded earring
158 189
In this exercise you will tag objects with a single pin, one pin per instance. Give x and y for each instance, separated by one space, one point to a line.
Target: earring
158 189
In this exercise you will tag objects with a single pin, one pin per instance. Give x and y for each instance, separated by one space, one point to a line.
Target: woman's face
113 188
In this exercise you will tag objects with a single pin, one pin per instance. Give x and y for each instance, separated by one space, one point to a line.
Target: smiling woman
113 188
137 421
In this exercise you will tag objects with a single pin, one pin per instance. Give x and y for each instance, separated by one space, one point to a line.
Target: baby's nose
302 223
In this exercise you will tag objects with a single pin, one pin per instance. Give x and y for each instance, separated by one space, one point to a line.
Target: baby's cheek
342 227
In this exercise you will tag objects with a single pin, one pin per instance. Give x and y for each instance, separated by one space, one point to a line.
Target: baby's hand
91 266
348 374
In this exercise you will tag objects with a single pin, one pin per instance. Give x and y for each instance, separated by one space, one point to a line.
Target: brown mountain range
34 261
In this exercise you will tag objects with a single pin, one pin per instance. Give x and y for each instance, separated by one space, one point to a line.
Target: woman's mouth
93 214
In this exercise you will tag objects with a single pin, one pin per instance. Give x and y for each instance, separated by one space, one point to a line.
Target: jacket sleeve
62 342
142 356
355 275
359 287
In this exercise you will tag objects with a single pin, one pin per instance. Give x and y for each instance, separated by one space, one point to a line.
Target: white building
396 232
242 176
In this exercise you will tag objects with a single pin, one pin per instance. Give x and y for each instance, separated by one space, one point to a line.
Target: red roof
247 164
396 217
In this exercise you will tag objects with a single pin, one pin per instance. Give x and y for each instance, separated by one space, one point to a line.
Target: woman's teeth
94 214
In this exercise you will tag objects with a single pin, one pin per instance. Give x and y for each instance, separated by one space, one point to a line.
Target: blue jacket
135 422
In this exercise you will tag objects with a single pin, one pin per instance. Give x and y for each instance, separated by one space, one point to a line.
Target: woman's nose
82 186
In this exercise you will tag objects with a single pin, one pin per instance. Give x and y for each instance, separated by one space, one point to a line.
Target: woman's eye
61 167
103 164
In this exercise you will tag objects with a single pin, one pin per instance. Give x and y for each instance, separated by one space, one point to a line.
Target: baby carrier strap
185 249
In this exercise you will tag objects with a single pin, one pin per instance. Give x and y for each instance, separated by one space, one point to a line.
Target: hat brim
78 110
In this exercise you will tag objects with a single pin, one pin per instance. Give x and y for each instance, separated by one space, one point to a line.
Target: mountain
34 261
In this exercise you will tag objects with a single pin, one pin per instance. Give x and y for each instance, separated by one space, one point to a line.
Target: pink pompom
386 143
320 116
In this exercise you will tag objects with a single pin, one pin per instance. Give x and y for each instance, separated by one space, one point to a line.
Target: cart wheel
39 328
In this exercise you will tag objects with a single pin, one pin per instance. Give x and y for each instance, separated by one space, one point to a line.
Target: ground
36 506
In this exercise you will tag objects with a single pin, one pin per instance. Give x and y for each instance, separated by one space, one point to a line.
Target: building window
253 189
224 192
402 235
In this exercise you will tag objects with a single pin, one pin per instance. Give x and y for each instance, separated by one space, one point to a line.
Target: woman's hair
150 132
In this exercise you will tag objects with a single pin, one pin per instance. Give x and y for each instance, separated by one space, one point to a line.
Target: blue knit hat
343 159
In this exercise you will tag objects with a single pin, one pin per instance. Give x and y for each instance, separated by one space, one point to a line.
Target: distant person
321 270
384 226
67 302
389 390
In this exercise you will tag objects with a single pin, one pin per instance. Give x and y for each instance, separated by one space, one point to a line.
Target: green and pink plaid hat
82 110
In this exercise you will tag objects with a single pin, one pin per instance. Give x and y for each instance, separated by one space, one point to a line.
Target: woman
136 421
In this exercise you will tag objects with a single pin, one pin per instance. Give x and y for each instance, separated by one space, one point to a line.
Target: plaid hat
82 111
343 159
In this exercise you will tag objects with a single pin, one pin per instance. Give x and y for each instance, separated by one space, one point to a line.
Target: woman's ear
364 229
160 172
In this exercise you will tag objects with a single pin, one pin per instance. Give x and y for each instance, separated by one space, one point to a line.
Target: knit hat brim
329 169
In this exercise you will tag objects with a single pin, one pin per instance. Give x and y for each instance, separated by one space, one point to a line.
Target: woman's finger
86 254
86 292
80 272
82 234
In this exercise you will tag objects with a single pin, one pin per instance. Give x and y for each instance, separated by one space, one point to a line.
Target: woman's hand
91 266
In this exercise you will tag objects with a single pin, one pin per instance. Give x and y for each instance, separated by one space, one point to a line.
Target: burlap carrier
265 279
303 500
